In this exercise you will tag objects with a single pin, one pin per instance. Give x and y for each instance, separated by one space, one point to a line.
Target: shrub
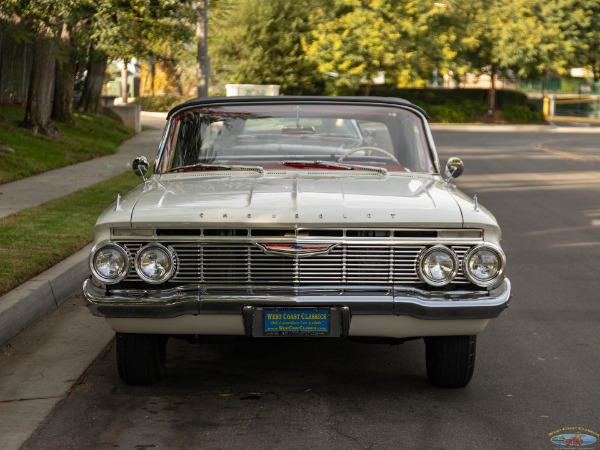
506 97
520 113
462 105
162 103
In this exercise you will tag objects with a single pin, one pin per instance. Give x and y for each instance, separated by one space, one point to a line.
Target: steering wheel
367 147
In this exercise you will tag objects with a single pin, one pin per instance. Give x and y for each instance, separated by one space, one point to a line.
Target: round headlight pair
154 263
438 265
483 265
110 263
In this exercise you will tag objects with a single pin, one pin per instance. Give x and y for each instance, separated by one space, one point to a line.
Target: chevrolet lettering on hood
297 217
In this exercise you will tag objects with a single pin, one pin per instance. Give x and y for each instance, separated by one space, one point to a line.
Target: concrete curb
482 128
32 300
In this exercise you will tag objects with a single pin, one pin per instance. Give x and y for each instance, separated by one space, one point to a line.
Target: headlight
155 263
110 263
438 265
484 265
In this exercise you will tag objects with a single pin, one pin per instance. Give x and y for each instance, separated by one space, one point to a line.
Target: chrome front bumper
358 300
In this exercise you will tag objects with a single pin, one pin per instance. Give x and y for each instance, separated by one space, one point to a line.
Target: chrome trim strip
459 236
372 300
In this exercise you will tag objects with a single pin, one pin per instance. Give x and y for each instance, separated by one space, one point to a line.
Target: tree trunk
66 66
171 68
202 60
124 82
41 84
153 74
491 99
94 81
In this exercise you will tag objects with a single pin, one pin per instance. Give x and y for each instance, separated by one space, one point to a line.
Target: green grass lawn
34 240
91 135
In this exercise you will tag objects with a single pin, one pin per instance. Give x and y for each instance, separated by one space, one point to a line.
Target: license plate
296 321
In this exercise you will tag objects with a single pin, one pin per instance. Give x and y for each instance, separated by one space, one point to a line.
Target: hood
397 201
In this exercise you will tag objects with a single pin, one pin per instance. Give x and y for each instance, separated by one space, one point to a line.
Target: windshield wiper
208 166
333 165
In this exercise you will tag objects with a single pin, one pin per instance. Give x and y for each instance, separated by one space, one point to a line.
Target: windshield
300 136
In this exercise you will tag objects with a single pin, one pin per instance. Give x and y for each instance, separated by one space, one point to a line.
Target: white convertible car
297 217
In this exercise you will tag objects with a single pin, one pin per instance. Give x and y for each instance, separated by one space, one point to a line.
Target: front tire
450 360
141 358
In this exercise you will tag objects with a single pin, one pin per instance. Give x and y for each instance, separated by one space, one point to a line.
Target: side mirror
141 166
454 169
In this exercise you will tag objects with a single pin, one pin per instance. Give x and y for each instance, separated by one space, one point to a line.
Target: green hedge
462 105
520 114
441 96
442 105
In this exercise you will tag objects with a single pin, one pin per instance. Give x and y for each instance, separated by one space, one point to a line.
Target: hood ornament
296 249
118 207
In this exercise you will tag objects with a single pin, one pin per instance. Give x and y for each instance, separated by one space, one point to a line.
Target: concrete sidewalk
34 191
32 300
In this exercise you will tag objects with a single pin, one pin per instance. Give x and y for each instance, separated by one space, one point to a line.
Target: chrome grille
244 263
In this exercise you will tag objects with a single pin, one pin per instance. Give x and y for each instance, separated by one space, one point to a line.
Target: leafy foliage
520 114
162 103
357 44
260 42
134 28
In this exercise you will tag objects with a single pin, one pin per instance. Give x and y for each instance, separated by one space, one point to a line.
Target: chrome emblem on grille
297 249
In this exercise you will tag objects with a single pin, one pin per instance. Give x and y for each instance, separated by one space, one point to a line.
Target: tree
38 108
354 41
72 50
202 59
427 44
124 29
94 80
43 20
583 34
64 79
260 42
590 37
501 37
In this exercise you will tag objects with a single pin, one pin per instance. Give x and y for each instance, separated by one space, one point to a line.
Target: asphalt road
537 368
